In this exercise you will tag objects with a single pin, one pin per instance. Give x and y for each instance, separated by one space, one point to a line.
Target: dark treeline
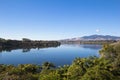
25 44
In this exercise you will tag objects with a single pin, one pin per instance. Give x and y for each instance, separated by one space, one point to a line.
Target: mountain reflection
92 46
88 46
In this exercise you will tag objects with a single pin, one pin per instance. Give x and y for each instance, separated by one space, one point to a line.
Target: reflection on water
90 46
24 49
0 55
61 55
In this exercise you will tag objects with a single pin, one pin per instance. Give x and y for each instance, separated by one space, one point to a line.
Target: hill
93 38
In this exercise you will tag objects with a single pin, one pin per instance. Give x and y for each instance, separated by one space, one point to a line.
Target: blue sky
58 19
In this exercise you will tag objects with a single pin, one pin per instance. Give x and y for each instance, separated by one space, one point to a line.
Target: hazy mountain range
93 38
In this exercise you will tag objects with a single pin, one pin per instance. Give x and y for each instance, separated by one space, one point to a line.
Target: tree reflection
25 44
26 50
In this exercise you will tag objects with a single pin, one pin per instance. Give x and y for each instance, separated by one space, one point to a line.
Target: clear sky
58 19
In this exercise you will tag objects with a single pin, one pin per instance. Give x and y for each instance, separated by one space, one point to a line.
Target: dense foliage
107 67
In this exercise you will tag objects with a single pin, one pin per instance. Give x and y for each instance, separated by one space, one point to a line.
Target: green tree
50 76
96 73
47 65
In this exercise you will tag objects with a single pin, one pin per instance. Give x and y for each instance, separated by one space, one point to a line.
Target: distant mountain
93 38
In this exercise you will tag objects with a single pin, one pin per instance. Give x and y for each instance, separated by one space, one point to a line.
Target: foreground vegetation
107 67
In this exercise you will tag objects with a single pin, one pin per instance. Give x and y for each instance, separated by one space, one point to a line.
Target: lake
61 55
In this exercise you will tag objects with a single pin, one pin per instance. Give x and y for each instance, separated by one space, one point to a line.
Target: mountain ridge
93 38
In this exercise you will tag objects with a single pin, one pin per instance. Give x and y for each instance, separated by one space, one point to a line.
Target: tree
96 73
47 65
50 76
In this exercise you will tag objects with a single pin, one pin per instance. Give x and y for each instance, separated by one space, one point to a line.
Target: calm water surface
61 55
